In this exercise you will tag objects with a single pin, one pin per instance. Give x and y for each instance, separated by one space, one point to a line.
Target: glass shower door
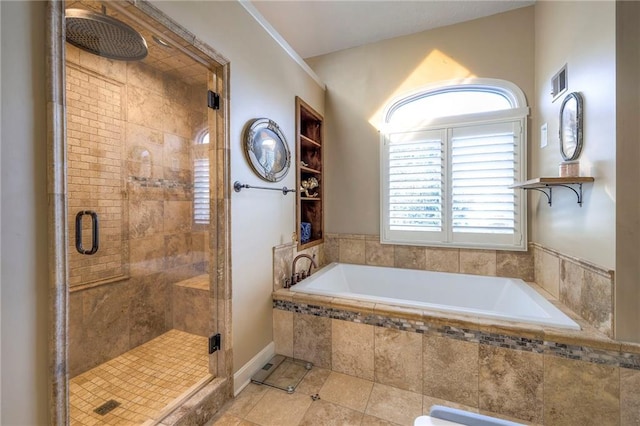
138 179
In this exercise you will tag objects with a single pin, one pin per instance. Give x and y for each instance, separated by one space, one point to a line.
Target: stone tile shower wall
95 135
131 132
583 287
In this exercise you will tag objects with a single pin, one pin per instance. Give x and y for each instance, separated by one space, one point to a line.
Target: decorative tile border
580 353
159 183
512 342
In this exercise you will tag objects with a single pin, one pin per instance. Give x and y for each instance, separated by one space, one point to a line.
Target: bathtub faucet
296 277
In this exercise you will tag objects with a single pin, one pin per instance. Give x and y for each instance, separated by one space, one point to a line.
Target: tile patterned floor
144 380
344 400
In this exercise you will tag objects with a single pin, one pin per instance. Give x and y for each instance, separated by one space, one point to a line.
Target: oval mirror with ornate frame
266 149
570 128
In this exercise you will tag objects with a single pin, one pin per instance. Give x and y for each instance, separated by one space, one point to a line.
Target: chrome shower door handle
95 230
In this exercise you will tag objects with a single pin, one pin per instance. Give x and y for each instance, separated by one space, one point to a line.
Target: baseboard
243 376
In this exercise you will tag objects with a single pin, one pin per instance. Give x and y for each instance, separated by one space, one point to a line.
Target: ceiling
317 27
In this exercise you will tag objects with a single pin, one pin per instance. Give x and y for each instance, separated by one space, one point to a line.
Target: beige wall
25 304
264 82
540 41
627 297
360 81
586 43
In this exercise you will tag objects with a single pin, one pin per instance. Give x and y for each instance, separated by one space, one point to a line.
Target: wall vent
559 83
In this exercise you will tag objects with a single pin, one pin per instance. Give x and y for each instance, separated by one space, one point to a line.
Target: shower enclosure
144 139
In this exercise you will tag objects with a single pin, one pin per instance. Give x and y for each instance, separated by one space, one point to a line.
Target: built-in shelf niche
309 157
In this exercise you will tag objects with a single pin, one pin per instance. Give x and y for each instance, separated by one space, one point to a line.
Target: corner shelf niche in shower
546 185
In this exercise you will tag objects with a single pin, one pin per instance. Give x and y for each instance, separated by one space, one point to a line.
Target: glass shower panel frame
90 293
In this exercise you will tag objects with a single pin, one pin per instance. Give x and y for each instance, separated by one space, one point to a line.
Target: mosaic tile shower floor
143 381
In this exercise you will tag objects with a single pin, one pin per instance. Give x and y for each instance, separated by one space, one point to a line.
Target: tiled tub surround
583 287
500 298
533 374
586 289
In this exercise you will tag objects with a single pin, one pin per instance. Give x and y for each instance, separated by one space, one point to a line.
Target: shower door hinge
213 100
214 343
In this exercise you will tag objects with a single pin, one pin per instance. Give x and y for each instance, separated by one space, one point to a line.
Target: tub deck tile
383 310
588 336
283 294
530 331
633 348
353 305
312 299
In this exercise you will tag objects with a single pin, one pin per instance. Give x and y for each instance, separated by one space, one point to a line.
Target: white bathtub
507 299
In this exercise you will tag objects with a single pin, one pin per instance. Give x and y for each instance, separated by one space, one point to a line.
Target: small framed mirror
266 149
571 126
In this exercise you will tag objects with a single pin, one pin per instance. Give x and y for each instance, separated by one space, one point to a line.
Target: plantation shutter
451 186
201 191
414 192
449 154
485 161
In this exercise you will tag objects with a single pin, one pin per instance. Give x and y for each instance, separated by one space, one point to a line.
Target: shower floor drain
106 407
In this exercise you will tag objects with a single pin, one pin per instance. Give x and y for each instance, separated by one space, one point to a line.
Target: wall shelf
304 140
546 185
309 170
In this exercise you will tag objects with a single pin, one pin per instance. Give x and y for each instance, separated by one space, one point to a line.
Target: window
449 155
201 192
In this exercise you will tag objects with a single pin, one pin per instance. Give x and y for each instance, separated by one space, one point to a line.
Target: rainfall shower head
104 36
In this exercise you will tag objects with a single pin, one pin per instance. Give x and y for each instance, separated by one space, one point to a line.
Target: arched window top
203 137
449 155
456 100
